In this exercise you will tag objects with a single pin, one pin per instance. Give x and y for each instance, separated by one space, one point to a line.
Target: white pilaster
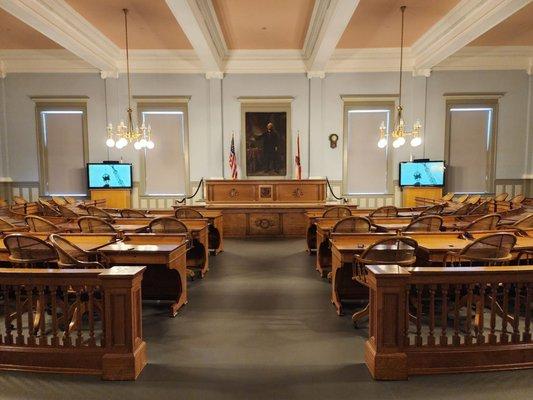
4 156
216 143
318 141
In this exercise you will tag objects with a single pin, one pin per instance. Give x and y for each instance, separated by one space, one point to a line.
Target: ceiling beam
62 24
465 22
197 19
328 23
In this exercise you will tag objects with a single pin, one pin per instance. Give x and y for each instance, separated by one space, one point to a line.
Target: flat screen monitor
427 173
109 176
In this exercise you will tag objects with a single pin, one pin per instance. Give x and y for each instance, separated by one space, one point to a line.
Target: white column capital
316 74
3 72
109 74
214 75
422 72
529 68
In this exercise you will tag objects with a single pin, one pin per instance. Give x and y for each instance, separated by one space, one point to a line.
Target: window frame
388 103
164 104
490 162
42 153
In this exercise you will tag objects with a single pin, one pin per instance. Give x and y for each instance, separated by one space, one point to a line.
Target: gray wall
214 112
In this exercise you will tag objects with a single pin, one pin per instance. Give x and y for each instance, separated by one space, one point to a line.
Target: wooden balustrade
72 321
439 320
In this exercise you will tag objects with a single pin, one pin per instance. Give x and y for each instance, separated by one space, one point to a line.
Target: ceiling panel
517 30
264 24
377 23
151 24
15 34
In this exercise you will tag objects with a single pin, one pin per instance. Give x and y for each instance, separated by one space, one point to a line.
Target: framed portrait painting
266 141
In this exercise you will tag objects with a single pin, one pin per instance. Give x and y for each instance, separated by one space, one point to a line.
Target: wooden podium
410 193
115 198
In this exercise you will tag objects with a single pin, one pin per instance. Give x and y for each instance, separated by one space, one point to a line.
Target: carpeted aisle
259 326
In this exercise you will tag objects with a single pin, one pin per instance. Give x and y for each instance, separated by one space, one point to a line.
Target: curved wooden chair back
491 249
90 224
19 200
463 210
187 213
501 197
448 196
98 212
481 208
427 223
433 210
26 249
70 200
71 256
385 211
167 225
6 225
337 212
129 213
46 208
524 223
484 223
473 199
59 201
398 250
462 198
518 199
67 212
352 224
39 224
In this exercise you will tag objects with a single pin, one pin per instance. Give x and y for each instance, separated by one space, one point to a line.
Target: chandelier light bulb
142 143
416 141
398 142
382 142
137 146
150 145
110 142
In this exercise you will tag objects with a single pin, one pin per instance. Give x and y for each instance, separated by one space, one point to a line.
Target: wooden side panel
264 224
409 194
235 224
231 193
114 198
294 224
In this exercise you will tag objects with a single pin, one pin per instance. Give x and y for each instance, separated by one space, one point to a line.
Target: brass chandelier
141 137
399 133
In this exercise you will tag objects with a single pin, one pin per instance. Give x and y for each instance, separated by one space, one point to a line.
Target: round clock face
333 140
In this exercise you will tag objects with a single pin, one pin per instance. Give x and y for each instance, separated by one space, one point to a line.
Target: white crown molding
385 59
325 31
198 22
468 20
265 61
214 75
43 61
316 74
62 24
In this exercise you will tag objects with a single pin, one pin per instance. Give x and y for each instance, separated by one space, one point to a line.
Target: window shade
63 144
366 163
165 164
469 143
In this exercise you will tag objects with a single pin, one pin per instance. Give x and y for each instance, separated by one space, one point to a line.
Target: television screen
430 173
109 176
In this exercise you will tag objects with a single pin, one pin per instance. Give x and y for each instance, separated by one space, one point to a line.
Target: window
470 146
165 167
365 164
62 141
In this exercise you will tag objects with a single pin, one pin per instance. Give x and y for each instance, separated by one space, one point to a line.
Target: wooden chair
47 209
484 223
30 251
71 256
448 196
19 200
501 197
473 199
352 224
68 213
517 200
6 226
98 212
427 223
524 223
463 210
481 208
187 213
491 249
129 213
433 210
90 224
385 211
399 251
59 201
70 200
337 212
167 225
461 199
39 224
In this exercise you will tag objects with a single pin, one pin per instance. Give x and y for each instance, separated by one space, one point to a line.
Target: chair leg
365 312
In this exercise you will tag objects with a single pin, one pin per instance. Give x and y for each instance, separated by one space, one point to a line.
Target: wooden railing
72 321
439 320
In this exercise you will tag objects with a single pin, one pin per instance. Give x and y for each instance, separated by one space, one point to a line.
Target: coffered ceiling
221 36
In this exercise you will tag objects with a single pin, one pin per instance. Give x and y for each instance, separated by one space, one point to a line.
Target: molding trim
62 24
265 61
468 20
265 99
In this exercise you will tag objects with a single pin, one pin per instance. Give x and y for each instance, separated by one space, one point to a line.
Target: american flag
297 158
233 159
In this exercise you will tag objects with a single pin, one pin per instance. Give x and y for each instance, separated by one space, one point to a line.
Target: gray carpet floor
260 326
